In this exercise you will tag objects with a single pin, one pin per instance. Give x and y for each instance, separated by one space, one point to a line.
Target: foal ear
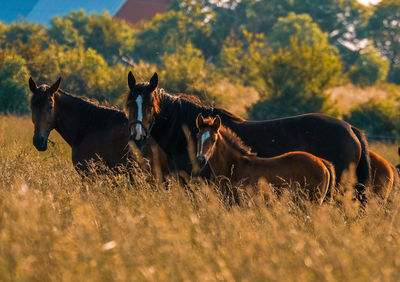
216 123
153 82
199 121
32 85
131 80
55 86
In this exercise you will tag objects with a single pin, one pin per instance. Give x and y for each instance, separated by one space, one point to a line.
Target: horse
398 165
227 156
95 133
147 145
385 176
323 136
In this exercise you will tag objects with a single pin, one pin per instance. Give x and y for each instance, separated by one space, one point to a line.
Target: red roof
134 11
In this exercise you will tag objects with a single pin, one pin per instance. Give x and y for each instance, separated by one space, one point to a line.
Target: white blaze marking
204 137
139 102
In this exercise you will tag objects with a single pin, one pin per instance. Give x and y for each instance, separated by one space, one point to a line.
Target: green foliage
25 33
384 28
100 32
183 71
296 78
167 32
240 60
300 26
369 68
377 118
13 80
84 72
62 30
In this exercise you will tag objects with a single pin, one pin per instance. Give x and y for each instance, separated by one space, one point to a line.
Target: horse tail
363 170
332 178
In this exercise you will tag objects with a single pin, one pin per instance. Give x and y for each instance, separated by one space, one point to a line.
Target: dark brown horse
321 135
95 133
227 156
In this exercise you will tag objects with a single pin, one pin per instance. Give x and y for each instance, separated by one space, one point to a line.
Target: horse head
43 111
207 136
140 107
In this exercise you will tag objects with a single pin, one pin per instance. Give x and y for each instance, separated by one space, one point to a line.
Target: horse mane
188 103
231 137
235 141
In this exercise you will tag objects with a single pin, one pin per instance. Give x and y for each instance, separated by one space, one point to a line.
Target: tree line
260 59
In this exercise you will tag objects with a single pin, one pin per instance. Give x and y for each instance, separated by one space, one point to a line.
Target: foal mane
235 141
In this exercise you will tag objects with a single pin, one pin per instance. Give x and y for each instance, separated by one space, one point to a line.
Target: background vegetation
260 59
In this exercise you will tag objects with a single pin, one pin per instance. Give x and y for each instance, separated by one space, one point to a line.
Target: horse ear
32 85
216 123
154 82
199 120
55 86
131 80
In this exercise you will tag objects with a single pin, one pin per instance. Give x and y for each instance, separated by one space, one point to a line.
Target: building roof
41 11
13 10
134 11
44 10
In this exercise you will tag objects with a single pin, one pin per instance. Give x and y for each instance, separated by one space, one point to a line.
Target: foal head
206 137
140 107
43 112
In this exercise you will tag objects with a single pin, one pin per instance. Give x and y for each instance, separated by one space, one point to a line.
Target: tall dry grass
53 226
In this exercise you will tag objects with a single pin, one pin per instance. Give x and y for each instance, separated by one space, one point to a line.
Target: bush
13 84
380 118
84 72
235 98
296 80
184 71
369 68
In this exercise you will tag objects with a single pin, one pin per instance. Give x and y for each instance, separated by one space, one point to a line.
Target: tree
296 78
376 118
166 32
62 30
13 79
384 28
109 37
369 68
241 60
84 72
184 71
25 33
300 26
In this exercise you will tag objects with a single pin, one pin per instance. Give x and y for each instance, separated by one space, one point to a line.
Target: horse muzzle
138 142
40 142
202 161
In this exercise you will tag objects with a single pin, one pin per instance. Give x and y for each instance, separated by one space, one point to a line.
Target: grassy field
53 226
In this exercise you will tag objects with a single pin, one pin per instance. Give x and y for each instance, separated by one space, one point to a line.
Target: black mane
190 106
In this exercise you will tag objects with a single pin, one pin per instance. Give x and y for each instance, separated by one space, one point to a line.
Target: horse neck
68 119
171 118
224 158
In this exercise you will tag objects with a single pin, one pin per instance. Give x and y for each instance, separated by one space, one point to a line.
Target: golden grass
53 226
